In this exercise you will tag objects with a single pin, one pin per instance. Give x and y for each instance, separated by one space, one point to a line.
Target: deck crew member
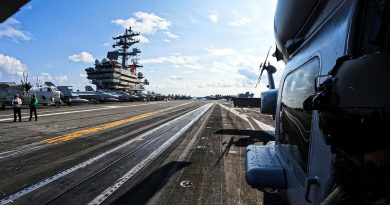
33 107
17 104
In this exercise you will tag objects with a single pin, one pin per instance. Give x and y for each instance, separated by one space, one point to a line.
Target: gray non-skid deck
204 164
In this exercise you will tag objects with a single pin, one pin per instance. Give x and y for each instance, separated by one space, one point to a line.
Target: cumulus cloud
174 77
177 61
84 57
247 73
62 78
142 39
187 72
222 68
147 23
12 65
213 18
220 52
28 7
44 77
47 77
171 35
242 21
11 30
219 84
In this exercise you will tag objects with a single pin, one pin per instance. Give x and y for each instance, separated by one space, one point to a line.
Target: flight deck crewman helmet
354 104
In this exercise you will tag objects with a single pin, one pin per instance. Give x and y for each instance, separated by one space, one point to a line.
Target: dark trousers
33 109
18 110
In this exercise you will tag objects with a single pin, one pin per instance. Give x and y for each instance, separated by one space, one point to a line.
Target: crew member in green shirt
33 107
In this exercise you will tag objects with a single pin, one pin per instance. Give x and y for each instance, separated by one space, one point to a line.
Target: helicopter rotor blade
263 67
266 58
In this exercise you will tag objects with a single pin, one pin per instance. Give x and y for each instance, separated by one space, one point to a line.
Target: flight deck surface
163 152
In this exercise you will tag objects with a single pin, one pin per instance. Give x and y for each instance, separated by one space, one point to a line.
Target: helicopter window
295 126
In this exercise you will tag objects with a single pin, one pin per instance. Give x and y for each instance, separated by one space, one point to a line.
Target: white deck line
110 190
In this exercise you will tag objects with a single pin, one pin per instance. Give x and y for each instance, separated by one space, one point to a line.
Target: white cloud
84 57
220 84
222 68
248 73
28 7
147 23
83 75
200 84
177 61
242 21
221 52
44 77
142 39
174 77
47 77
106 44
171 35
187 72
62 78
213 18
10 30
12 65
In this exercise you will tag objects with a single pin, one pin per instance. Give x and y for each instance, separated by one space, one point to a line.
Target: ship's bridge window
295 126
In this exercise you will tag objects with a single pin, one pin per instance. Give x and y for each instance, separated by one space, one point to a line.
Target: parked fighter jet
69 97
127 97
333 96
97 96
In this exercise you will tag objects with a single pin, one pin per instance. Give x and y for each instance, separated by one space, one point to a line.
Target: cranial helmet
354 104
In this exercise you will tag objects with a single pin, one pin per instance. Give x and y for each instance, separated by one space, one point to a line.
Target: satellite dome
140 75
105 60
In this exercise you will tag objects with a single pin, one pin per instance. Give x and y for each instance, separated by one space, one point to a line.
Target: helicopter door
301 145
318 180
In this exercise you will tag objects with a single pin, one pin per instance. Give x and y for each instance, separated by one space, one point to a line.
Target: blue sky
188 47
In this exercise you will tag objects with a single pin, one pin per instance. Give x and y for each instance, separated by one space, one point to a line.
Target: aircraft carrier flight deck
163 152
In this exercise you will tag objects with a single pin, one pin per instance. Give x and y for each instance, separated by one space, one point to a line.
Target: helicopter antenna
263 66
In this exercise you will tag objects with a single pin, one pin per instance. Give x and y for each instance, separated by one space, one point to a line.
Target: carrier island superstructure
110 74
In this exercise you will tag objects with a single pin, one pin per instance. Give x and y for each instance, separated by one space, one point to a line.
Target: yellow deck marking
77 134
